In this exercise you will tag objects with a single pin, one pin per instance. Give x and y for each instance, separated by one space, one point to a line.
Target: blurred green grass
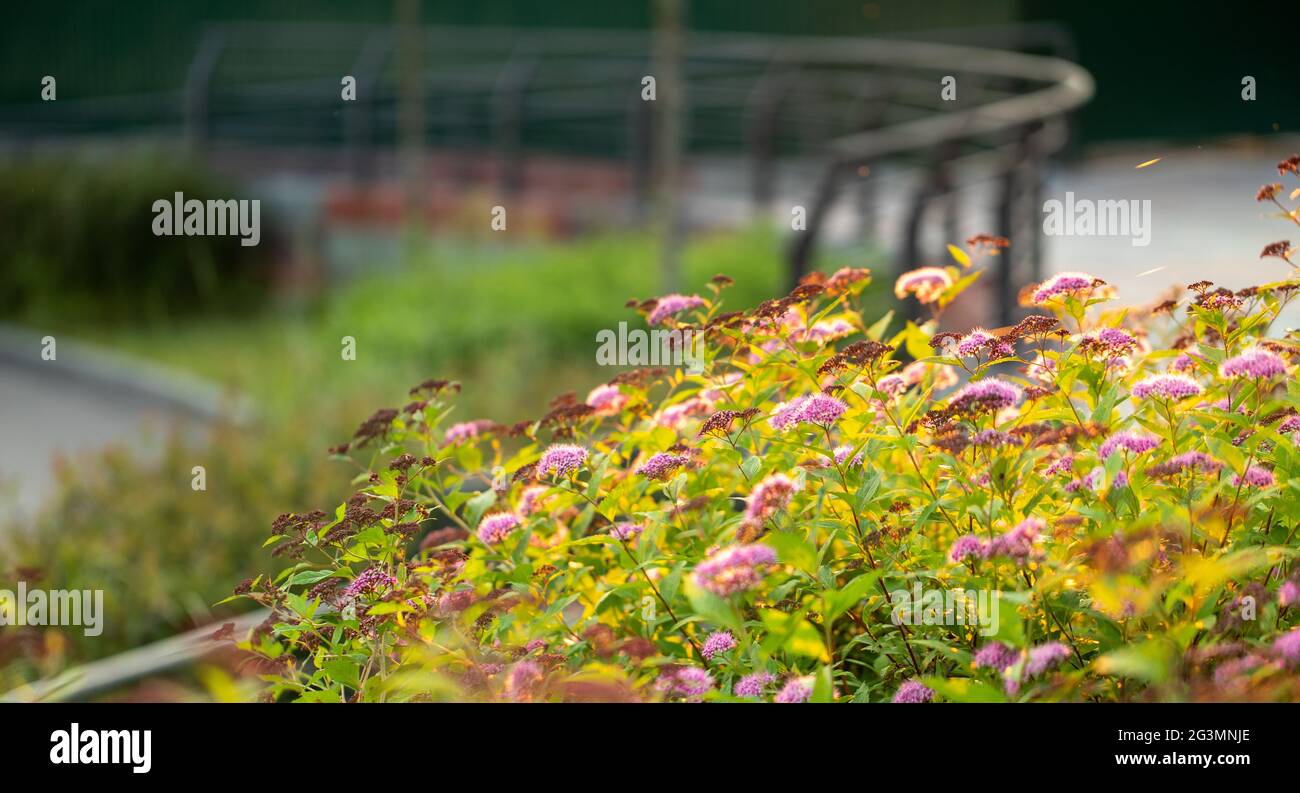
513 323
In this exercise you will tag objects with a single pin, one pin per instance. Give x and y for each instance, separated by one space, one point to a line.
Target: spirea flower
1255 476
769 497
1045 657
608 400
967 546
1186 461
1186 361
1018 543
892 384
661 465
494 528
1288 594
842 453
1254 363
822 409
369 581
672 305
796 689
1063 284
846 277
1288 646
975 342
625 531
996 656
913 691
1167 386
465 430
986 395
786 414
531 499
734 569
1289 424
562 459
1115 340
993 439
926 283
1134 442
1062 466
689 682
717 643
455 601
830 330
524 680
753 685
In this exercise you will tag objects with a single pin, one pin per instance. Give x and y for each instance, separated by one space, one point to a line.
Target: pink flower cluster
607 400
494 528
982 396
717 643
1063 284
1254 363
1134 442
1017 543
562 459
769 497
819 409
1167 386
661 465
926 283
796 689
626 531
672 305
734 569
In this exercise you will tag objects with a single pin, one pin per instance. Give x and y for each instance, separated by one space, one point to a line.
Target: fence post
197 96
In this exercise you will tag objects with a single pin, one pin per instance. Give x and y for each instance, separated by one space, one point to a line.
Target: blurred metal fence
840 107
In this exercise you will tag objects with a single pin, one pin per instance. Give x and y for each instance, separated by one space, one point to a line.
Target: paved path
82 401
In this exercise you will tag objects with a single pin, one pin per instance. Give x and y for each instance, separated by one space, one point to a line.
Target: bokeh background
376 225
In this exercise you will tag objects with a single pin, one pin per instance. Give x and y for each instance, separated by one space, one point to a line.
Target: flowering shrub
1116 489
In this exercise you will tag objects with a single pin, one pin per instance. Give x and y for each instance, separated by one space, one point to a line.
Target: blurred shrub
162 552
76 239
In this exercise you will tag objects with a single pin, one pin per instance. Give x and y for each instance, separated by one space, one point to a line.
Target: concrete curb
125 376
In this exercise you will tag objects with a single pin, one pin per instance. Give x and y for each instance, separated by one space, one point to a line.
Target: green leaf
793 634
793 550
1149 661
823 686
964 689
713 608
839 602
476 506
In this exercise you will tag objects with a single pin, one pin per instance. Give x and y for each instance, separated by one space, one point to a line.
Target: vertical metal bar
198 90
508 97
359 119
